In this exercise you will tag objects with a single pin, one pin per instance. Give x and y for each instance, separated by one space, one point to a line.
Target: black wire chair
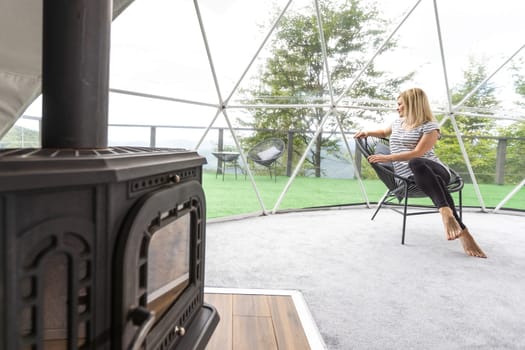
266 153
400 188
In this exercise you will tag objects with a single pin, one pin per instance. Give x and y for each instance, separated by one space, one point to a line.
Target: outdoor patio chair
266 153
226 159
400 188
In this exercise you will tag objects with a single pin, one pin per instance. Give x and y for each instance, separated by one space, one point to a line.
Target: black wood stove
100 247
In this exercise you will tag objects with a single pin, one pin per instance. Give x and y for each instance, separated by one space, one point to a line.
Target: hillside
19 136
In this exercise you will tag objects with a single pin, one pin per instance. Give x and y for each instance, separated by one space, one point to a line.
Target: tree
474 129
519 81
295 73
515 162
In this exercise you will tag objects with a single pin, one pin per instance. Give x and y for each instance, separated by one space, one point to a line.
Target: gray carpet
367 291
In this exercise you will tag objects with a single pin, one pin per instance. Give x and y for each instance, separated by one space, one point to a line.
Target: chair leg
247 164
380 204
460 205
405 215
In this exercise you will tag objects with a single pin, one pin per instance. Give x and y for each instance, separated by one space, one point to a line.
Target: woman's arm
424 145
376 133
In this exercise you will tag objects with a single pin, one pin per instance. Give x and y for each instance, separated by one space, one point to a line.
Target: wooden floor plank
251 305
253 333
256 321
222 338
289 331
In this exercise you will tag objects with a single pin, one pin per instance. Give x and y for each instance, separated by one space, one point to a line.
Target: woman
412 139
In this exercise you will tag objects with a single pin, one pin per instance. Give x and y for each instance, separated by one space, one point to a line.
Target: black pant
432 178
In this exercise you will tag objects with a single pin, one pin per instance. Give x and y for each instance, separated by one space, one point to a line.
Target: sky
157 48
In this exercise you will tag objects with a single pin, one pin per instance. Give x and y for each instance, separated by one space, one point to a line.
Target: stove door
159 268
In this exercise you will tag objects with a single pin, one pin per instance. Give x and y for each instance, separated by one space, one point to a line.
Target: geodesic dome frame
223 103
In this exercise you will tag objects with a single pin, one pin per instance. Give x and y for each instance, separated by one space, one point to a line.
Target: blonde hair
417 107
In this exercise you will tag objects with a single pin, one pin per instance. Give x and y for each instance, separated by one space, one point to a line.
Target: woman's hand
379 158
360 134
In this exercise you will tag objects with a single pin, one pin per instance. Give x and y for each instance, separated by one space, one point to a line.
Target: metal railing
27 139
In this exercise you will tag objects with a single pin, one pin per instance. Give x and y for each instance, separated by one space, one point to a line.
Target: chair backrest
267 151
456 181
385 171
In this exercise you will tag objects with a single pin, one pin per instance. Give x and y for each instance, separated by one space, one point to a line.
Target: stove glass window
168 263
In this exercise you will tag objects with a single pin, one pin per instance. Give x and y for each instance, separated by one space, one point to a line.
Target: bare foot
452 228
469 245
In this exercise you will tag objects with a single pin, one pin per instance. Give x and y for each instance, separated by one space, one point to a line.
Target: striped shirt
402 140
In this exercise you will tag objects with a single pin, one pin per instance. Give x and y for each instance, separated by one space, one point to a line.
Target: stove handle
144 318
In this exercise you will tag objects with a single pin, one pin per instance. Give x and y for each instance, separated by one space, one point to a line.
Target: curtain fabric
21 55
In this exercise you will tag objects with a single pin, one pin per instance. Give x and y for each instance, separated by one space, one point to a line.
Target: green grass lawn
235 197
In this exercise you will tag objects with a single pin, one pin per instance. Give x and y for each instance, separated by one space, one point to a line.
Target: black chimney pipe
75 73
